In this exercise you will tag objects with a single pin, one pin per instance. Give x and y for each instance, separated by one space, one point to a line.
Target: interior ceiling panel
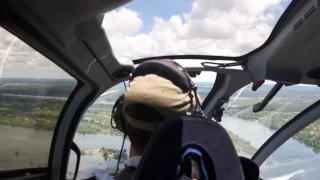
309 58
72 24
294 51
60 17
300 46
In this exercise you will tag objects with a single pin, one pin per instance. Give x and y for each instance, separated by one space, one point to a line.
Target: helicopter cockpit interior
62 70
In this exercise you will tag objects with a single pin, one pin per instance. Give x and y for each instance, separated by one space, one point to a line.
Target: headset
167 69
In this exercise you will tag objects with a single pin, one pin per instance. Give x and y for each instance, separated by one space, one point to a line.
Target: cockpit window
297 158
98 141
256 128
228 28
33 91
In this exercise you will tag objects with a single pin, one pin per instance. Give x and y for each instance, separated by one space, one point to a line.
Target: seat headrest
207 142
250 169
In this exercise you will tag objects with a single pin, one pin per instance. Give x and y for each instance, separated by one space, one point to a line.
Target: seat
250 169
206 142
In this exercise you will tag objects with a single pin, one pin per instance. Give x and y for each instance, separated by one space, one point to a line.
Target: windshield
254 129
98 141
297 158
258 127
100 144
229 27
33 91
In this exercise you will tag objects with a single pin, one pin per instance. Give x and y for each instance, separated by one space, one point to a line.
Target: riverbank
106 153
277 113
42 114
241 144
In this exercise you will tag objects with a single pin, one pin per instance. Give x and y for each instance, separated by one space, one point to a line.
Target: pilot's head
149 101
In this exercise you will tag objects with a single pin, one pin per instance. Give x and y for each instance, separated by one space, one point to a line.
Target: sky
144 28
212 27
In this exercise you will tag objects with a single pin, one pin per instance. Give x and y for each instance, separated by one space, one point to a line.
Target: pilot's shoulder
126 173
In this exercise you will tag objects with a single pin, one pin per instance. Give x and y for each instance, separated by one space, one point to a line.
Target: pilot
149 101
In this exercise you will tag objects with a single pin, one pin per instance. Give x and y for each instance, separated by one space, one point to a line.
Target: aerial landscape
56 56
31 107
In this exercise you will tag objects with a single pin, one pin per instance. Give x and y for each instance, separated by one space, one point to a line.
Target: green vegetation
38 106
310 136
114 153
42 114
106 153
97 120
241 144
37 87
278 112
30 112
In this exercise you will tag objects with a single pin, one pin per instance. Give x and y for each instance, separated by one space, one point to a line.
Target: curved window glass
227 28
297 158
33 91
256 128
99 143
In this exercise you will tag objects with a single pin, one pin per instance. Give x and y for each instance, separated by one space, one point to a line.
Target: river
292 160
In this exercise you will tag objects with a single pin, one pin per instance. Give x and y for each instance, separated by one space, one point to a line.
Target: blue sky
215 27
144 28
166 8
161 8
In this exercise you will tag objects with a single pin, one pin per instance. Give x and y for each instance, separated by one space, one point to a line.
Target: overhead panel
294 51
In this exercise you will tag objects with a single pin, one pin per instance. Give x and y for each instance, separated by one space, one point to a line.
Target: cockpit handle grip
76 149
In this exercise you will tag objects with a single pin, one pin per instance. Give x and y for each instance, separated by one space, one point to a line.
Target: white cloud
21 61
228 27
122 22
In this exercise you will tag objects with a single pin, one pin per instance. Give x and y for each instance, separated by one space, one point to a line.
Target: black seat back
205 141
250 169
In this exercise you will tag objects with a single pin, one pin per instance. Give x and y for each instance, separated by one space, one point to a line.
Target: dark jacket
128 171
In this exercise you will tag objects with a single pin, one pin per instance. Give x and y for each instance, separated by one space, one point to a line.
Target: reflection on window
256 128
297 158
99 143
33 91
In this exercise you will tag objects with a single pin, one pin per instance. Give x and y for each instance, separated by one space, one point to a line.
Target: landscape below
38 105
